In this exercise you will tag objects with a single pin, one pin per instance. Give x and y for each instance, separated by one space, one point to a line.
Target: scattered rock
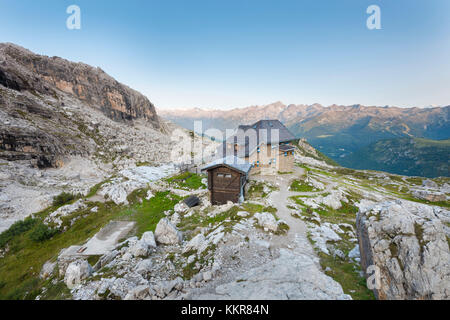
198 243
166 233
105 259
55 216
322 234
144 267
354 253
138 293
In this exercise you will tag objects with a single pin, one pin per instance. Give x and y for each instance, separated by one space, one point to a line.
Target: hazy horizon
287 104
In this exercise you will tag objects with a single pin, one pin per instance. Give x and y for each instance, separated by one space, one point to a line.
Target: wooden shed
226 179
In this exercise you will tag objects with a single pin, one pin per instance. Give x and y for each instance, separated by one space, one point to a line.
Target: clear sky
235 53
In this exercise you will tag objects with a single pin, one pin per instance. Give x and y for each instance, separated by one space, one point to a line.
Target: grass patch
300 186
415 180
16 229
187 181
19 269
42 232
148 213
346 274
64 198
143 164
259 190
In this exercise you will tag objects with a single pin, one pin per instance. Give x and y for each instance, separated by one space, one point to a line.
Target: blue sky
235 53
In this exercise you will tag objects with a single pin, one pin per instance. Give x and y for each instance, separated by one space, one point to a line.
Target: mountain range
340 132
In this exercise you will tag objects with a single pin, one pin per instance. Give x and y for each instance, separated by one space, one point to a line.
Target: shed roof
231 162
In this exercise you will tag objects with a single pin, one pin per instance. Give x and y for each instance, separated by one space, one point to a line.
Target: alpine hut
226 179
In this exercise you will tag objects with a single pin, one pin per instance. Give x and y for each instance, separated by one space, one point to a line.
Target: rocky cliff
22 70
48 106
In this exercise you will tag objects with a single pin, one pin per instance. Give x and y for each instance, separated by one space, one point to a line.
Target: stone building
266 145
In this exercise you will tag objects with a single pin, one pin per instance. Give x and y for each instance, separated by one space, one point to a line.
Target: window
228 176
220 175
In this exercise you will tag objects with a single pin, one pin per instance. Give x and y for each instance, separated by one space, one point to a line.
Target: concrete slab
107 238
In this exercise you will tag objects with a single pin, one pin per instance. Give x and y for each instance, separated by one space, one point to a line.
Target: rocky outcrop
52 109
32 131
76 272
22 70
166 233
430 195
407 243
198 244
280 279
267 221
143 247
48 269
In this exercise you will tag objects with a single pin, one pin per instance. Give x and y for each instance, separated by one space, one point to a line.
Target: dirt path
293 273
296 237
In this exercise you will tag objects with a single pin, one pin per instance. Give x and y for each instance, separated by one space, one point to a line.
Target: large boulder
267 221
166 233
406 243
333 200
76 272
142 247
48 270
138 293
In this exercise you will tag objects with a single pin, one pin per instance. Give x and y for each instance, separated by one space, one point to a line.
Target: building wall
286 163
268 160
224 185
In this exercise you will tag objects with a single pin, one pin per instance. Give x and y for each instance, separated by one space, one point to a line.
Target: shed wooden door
220 197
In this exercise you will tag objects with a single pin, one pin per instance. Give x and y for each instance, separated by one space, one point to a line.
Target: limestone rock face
34 132
407 243
166 233
36 93
280 279
21 70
